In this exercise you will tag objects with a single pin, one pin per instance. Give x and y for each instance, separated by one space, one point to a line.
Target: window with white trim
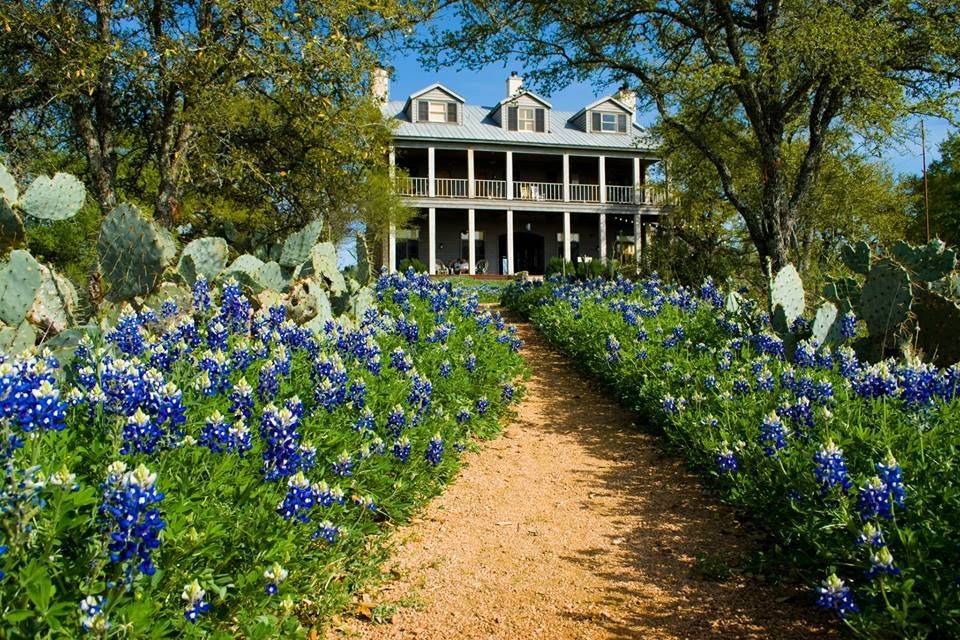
437 112
526 119
608 122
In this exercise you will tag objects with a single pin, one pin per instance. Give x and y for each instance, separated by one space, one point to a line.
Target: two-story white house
526 182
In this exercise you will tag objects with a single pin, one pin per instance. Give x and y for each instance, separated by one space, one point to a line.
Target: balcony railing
495 189
546 191
585 192
642 194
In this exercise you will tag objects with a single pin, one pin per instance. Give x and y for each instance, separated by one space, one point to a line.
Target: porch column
566 177
510 242
637 182
392 248
637 236
603 179
509 175
471 187
471 246
603 238
566 236
432 240
431 172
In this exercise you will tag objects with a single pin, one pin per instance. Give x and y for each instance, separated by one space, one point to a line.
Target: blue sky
487 86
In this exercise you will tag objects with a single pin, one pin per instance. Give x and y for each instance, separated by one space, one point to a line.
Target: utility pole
926 192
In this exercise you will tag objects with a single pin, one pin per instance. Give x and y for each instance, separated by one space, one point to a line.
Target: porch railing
619 194
452 187
495 189
548 191
585 192
408 186
656 194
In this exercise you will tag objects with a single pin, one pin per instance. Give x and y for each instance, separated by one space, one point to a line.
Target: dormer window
526 119
609 122
436 111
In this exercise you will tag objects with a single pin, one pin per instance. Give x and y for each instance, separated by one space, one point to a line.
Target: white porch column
603 238
603 179
566 177
509 175
392 248
431 172
471 187
510 242
471 244
637 236
566 236
637 181
432 239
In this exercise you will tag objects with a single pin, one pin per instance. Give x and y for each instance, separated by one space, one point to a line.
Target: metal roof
479 126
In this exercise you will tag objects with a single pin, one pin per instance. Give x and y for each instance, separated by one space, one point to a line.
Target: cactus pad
167 244
130 253
324 259
938 324
55 303
857 257
14 340
885 301
203 256
270 276
364 271
297 247
19 280
56 198
787 293
930 262
8 187
363 300
11 226
245 269
826 325
842 290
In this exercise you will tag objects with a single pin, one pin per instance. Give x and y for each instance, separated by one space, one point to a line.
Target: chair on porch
441 268
480 267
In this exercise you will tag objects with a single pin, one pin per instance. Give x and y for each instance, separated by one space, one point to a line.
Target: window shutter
423 111
596 121
622 123
541 118
452 112
512 118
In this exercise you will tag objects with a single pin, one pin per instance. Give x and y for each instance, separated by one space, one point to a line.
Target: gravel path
573 524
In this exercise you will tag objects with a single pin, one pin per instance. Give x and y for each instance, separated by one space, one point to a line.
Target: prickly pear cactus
930 262
56 198
8 187
786 291
297 246
885 300
733 302
130 253
167 244
270 276
362 300
245 269
55 303
857 257
203 256
324 259
16 339
826 325
11 226
938 327
842 291
19 280
364 271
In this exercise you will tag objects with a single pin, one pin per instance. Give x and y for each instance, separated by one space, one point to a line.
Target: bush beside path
574 524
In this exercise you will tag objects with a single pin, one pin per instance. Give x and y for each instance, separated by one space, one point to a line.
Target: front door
527 252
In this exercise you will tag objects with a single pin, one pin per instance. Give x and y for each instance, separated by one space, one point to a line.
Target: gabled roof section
597 103
435 85
523 92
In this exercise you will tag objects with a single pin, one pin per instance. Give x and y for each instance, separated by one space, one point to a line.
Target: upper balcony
553 180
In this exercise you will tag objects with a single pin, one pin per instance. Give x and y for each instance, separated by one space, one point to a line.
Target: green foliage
943 185
412 263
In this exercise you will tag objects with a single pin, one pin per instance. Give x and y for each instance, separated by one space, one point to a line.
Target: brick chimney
380 84
514 84
628 97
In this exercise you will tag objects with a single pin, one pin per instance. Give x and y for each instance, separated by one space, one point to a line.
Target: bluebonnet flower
328 531
366 502
764 380
3 551
470 364
506 392
129 506
234 307
881 562
400 361
892 476
420 392
871 535
141 434
201 295
834 595
241 399
434 453
875 382
357 393
396 420
642 335
463 416
831 468
215 433
44 409
805 355
195 597
275 575
217 336
283 454
445 369
268 383
365 421
128 335
169 309
848 325
672 405
726 459
874 499
482 405
92 616
343 465
710 382
773 436
300 499
741 387
613 348
401 449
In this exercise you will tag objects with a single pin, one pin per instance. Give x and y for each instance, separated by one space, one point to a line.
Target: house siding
434 95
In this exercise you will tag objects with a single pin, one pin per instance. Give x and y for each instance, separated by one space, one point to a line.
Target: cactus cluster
130 252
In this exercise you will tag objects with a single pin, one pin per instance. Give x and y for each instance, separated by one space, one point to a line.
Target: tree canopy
250 110
767 80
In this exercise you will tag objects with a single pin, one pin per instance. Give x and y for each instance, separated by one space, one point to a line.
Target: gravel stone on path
574 525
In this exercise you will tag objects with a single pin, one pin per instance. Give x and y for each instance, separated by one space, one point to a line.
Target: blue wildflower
195 597
831 468
434 453
834 595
